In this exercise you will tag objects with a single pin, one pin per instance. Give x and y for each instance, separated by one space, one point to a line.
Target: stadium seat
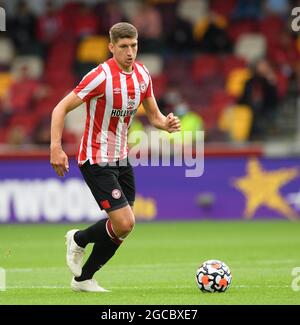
236 81
130 7
159 85
3 134
153 62
43 108
205 66
5 82
193 10
224 8
270 27
284 54
69 11
7 51
237 121
208 117
238 28
59 78
93 49
177 69
27 121
34 66
220 100
55 58
282 84
251 47
231 62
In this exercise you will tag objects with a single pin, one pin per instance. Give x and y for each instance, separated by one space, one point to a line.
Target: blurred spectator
215 39
17 136
50 25
247 9
190 121
277 7
22 28
261 96
110 13
180 36
170 99
148 22
178 29
173 101
21 95
285 55
41 133
86 22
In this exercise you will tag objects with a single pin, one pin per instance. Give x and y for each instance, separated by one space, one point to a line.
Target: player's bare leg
122 221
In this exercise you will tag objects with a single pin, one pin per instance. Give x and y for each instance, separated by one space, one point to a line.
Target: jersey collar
122 71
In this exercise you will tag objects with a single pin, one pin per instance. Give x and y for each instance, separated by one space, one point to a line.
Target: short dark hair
122 30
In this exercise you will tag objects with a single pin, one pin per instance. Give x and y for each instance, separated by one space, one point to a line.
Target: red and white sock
117 240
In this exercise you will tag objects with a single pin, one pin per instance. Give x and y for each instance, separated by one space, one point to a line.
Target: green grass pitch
156 264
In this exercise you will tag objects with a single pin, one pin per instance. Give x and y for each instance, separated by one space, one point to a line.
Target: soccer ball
213 276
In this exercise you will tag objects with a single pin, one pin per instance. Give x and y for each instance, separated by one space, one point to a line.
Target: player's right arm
58 158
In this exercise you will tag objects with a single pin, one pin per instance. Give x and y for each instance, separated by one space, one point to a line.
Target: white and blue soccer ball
213 276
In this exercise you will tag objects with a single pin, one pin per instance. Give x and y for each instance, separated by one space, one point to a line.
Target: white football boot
87 286
75 253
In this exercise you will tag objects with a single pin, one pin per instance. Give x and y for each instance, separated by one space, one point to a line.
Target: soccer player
112 93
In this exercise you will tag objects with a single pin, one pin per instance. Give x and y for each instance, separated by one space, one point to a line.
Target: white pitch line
37 287
37 269
153 266
148 287
260 286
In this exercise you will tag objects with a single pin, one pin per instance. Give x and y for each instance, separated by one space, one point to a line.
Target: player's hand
59 161
172 123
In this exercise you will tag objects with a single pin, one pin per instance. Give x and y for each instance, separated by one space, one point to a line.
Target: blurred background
230 68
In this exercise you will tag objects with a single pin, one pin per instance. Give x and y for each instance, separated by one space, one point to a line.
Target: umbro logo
117 91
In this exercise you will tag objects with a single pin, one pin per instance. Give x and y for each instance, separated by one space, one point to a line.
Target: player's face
124 52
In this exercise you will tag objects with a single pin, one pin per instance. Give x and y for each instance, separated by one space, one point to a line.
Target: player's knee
123 221
127 226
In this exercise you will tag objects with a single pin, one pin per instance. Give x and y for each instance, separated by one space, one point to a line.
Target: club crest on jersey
130 103
116 193
143 86
130 111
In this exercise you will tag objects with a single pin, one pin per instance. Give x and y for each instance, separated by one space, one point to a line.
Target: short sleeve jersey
112 98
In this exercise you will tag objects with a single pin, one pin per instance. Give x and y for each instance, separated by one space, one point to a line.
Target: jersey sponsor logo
143 86
123 112
117 91
116 194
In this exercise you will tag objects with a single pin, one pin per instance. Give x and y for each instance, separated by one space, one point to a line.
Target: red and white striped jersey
112 98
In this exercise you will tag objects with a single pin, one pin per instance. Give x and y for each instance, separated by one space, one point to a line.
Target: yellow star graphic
261 187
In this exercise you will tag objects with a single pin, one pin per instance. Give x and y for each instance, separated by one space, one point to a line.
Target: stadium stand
206 48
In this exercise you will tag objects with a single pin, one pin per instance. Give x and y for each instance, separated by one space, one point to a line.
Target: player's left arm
168 123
